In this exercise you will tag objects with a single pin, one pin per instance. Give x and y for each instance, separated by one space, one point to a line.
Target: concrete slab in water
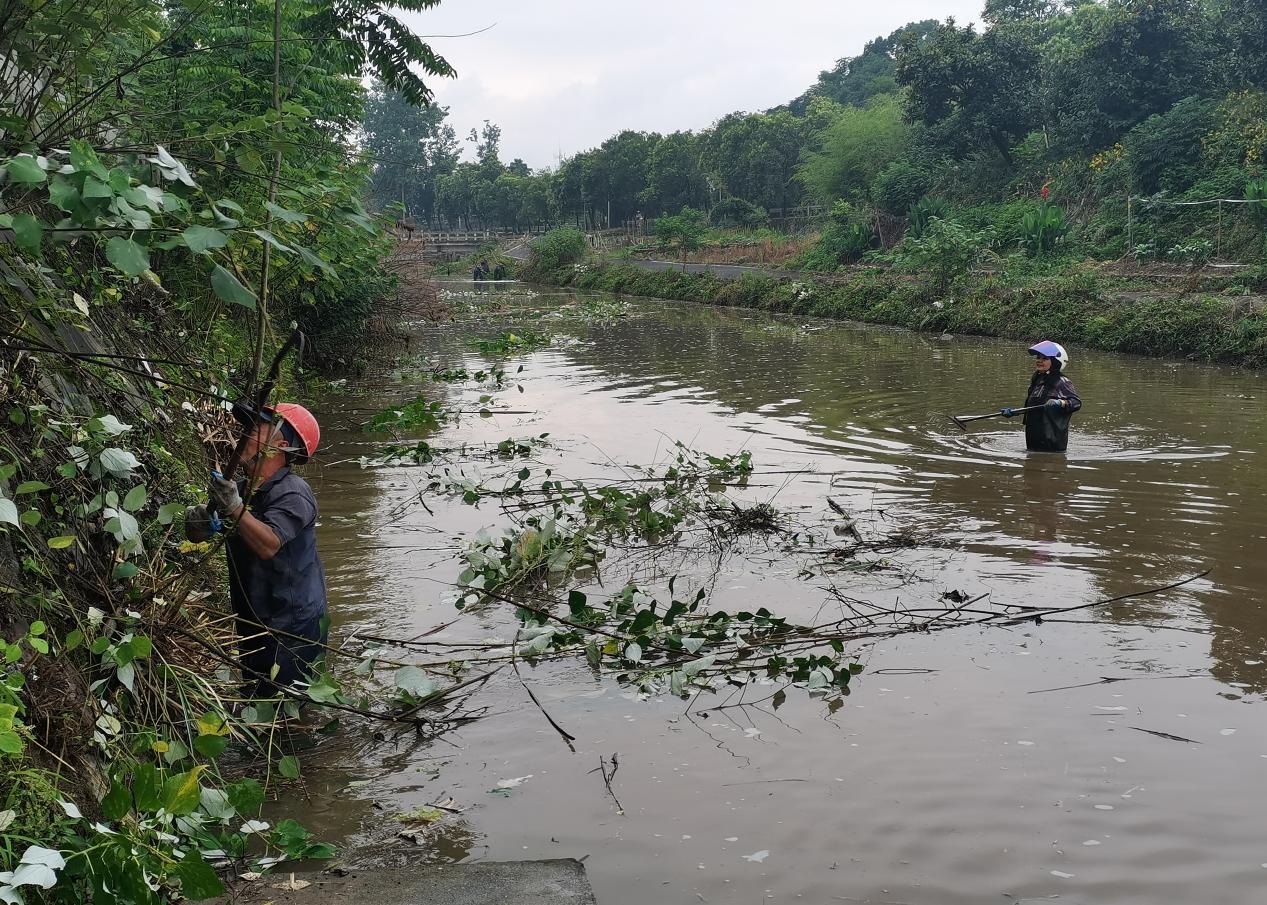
557 882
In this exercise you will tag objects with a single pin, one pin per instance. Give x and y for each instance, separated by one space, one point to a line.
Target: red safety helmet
303 423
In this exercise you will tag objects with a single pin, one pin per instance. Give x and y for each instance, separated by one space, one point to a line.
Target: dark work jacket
287 592
1048 431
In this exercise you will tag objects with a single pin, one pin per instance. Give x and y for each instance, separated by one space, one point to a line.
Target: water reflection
940 780
1159 480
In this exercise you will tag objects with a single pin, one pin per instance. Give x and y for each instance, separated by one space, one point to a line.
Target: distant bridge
424 245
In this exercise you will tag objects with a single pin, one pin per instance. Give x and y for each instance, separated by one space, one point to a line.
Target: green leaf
415 681
108 424
117 802
61 542
26 169
124 570
135 498
246 796
271 239
211 746
181 792
38 627
62 192
30 487
38 644
147 788
95 188
11 743
129 257
311 257
226 286
288 767
168 512
198 880
202 239
141 646
30 518
176 751
84 159
27 232
282 213
73 640
119 462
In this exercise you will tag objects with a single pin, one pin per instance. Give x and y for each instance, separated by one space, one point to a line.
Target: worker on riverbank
1047 428
276 581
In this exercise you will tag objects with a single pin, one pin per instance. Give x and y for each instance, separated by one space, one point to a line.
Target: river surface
981 764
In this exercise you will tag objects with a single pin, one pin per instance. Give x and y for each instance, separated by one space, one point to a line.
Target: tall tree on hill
972 89
855 80
1242 46
1113 65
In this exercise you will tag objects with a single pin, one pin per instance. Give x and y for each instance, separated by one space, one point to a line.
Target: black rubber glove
198 524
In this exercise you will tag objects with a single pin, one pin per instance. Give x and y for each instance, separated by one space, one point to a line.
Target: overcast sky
560 76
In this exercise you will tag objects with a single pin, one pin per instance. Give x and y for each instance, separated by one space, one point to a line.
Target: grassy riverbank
1209 318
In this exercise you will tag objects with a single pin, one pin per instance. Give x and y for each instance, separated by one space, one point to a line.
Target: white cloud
560 76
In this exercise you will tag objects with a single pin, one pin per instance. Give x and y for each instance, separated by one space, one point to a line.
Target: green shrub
923 212
736 212
685 230
557 249
900 185
838 245
1043 228
1256 191
946 251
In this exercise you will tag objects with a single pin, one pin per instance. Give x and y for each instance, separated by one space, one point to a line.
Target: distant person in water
499 272
1047 428
481 271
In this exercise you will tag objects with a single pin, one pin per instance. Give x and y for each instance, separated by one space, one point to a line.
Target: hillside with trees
1136 118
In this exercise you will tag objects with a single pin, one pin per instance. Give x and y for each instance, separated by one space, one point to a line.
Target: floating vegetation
423 453
507 343
683 646
421 414
546 550
594 308
495 375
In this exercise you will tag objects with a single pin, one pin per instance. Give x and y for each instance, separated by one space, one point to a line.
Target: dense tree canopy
1101 98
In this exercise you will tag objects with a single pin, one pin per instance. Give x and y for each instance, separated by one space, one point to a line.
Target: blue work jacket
288 591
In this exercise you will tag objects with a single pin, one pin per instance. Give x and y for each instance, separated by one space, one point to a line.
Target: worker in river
1047 428
276 580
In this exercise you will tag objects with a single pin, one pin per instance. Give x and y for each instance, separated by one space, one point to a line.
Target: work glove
1008 413
1053 405
198 523
223 496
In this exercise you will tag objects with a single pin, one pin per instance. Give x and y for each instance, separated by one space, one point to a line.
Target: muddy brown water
951 775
